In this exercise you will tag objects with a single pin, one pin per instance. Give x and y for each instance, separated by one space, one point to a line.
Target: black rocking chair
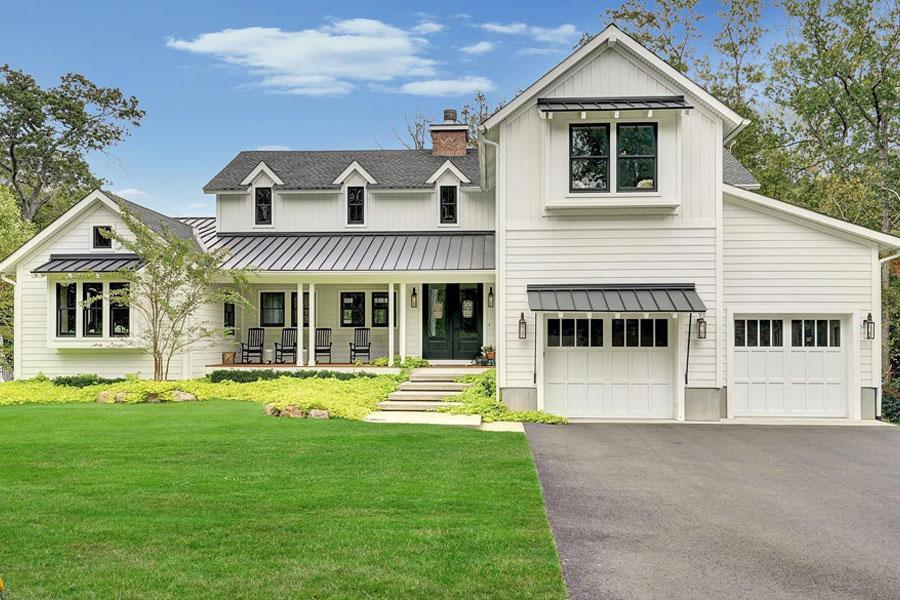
360 346
256 337
288 345
323 342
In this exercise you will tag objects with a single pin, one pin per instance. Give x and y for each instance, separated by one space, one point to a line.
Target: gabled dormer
353 181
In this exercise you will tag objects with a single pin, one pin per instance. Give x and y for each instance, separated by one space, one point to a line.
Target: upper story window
356 205
271 309
263 206
636 157
100 237
449 205
589 158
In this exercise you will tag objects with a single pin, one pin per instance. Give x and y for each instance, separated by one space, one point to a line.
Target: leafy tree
13 233
667 27
474 114
177 278
416 131
45 134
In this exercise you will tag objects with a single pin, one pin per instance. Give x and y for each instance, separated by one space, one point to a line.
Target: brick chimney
450 137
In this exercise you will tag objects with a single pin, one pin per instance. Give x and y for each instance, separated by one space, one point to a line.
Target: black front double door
452 320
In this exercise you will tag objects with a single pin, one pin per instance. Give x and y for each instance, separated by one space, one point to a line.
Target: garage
789 366
625 373
610 351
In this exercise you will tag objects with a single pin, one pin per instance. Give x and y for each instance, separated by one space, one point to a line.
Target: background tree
667 27
13 233
176 280
45 134
416 131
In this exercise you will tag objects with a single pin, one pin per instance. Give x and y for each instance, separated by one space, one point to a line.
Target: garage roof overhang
637 298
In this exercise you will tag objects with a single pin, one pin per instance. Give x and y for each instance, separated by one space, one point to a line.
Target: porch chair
288 345
323 342
360 346
256 337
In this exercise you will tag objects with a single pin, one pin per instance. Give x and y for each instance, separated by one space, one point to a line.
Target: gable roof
884 240
318 169
736 174
156 221
612 35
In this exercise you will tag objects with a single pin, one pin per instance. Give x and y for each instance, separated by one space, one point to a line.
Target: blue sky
219 77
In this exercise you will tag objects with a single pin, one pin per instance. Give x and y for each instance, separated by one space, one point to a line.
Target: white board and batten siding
778 267
598 246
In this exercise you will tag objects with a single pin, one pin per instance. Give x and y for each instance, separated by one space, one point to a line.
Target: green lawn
215 500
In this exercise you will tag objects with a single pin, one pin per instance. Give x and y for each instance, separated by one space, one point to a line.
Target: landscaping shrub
890 405
480 399
251 375
84 380
410 362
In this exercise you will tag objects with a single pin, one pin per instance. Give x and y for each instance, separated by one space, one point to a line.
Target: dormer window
356 205
100 237
263 206
636 157
589 158
449 205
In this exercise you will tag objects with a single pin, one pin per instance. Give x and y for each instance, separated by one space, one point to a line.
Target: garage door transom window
575 333
640 333
806 333
762 333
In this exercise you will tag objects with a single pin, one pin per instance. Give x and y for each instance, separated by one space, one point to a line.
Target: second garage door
609 368
789 366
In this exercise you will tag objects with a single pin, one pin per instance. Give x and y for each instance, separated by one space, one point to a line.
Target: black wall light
701 328
491 297
414 299
870 327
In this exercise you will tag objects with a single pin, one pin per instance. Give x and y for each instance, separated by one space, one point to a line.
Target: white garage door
789 366
608 368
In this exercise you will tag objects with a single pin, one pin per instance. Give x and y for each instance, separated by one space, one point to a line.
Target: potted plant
489 352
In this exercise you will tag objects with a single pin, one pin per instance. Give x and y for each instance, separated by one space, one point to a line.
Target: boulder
293 411
152 399
317 413
180 396
121 397
271 410
106 397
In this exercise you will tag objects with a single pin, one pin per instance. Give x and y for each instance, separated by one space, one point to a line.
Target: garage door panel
815 365
775 397
739 395
597 367
576 395
640 365
596 399
555 367
798 365
576 365
620 398
661 398
836 394
555 398
835 361
741 365
775 365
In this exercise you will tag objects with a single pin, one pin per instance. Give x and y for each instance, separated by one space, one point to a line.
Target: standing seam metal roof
626 297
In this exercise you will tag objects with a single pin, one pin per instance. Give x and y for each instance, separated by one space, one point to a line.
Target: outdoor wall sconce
701 328
523 327
414 299
491 297
870 327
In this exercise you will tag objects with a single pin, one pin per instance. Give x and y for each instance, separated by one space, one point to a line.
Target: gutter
733 134
881 261
6 279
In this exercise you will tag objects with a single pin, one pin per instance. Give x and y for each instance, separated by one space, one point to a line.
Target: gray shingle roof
736 174
317 169
157 222
627 297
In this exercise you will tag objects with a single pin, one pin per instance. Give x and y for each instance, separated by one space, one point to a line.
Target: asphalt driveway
723 511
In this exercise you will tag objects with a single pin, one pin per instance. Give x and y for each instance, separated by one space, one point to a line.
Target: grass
216 500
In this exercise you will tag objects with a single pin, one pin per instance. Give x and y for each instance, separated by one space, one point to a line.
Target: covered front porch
446 318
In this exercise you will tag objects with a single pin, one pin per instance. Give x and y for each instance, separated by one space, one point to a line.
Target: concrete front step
442 373
424 418
415 405
433 386
427 395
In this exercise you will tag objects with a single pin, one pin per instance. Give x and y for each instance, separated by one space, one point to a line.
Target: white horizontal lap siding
771 260
634 255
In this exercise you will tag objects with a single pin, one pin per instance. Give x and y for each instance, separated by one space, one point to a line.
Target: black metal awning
612 103
89 263
633 298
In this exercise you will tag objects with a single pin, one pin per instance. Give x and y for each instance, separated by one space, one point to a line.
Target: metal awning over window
635 298
612 103
87 263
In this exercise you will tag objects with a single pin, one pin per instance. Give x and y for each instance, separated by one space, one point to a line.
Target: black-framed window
263 206
380 307
589 158
640 333
449 205
294 309
758 333
575 333
816 332
636 149
353 309
66 307
99 240
356 205
271 309
92 314
119 312
229 318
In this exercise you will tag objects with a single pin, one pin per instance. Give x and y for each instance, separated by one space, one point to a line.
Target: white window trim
262 167
79 340
345 192
448 166
253 207
112 246
351 168
437 195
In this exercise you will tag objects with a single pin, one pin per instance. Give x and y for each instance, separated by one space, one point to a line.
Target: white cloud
133 194
426 27
537 51
447 87
273 147
564 34
329 60
478 47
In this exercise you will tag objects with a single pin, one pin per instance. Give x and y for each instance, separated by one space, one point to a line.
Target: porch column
299 309
311 360
391 323
402 329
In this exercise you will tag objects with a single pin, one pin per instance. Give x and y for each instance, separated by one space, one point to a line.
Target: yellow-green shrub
481 399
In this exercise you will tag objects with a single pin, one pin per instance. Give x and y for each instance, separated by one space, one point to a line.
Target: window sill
618 202
97 343
255 226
